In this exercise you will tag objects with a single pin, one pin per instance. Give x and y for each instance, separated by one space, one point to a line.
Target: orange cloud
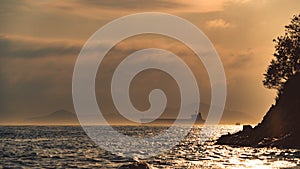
219 23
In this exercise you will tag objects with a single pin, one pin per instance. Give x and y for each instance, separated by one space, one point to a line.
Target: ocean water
70 147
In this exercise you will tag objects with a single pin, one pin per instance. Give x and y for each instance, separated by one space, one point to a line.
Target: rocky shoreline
279 128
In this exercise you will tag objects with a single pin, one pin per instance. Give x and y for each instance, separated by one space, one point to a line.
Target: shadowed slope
279 127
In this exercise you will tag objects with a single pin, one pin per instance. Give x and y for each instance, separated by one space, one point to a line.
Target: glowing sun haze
40 41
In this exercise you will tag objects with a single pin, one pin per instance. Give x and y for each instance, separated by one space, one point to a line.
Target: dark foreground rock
279 128
136 165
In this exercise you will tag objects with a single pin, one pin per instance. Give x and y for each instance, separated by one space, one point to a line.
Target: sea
70 147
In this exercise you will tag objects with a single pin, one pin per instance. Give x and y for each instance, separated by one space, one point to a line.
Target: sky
40 41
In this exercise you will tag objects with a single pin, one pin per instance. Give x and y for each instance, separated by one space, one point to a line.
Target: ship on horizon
197 116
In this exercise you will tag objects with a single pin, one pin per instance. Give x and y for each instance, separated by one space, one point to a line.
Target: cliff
279 127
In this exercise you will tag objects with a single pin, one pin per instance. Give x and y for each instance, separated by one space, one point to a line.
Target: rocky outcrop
279 128
136 165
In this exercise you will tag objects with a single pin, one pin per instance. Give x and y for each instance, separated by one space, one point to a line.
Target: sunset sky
40 41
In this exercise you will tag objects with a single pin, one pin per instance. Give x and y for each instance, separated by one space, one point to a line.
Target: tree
287 57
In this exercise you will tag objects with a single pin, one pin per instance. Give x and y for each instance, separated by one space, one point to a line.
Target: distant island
59 117
65 117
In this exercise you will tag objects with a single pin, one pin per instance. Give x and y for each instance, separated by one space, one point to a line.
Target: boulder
136 165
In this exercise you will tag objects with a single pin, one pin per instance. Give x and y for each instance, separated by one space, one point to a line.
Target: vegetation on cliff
280 126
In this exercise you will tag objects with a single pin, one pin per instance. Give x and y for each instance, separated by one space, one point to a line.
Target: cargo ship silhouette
168 121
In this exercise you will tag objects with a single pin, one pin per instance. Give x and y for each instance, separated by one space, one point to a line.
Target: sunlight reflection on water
70 147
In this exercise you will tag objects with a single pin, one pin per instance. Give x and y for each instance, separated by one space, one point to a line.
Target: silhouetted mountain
62 117
279 127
